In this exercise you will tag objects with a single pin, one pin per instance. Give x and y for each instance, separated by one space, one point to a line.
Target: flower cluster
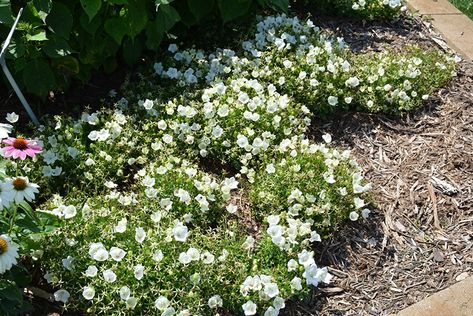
145 229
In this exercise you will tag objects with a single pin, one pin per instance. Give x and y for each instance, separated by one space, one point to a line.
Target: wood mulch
418 240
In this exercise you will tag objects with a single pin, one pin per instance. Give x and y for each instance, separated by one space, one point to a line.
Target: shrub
57 40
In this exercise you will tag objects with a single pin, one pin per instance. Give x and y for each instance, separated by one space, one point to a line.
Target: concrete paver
457 300
455 27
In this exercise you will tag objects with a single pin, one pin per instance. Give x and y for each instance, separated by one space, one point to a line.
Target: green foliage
59 40
360 9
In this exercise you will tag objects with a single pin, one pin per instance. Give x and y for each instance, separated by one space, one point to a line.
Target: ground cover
272 192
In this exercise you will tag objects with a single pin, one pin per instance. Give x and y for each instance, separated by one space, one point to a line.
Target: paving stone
431 7
457 300
455 27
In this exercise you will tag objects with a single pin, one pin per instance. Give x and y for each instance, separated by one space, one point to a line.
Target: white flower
333 101
67 263
139 271
61 296
354 216
125 293
249 308
352 82
109 276
271 290
23 189
162 303
5 129
158 256
327 138
180 232
140 234
296 283
8 253
121 226
69 211
207 257
131 303
148 104
270 168
91 271
231 208
117 254
215 301
365 213
359 203
88 293
100 255
13 118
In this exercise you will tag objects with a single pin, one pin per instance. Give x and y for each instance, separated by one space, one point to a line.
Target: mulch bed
418 240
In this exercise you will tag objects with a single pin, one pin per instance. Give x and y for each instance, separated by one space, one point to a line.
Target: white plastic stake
10 77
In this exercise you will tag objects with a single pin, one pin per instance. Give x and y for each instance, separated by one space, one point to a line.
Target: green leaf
38 77
118 1
43 8
57 47
91 7
16 48
11 293
38 35
132 49
200 8
280 5
67 65
90 26
5 12
60 20
232 9
166 18
20 276
116 28
137 17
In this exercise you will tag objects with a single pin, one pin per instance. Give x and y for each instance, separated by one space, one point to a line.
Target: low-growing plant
360 9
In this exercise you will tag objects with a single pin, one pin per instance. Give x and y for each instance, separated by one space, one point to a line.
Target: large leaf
280 5
57 47
91 7
137 17
60 20
43 8
232 9
5 12
132 49
200 8
38 77
116 28
166 18
90 26
37 35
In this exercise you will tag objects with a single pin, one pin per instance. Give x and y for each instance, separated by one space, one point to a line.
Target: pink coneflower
20 148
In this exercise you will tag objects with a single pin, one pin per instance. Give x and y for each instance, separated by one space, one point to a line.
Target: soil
418 239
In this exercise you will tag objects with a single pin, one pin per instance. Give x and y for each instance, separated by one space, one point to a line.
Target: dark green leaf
38 77
116 28
91 7
57 47
5 12
43 8
16 48
137 17
20 276
67 65
90 26
232 9
166 17
60 20
132 49
118 1
200 8
11 293
280 5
